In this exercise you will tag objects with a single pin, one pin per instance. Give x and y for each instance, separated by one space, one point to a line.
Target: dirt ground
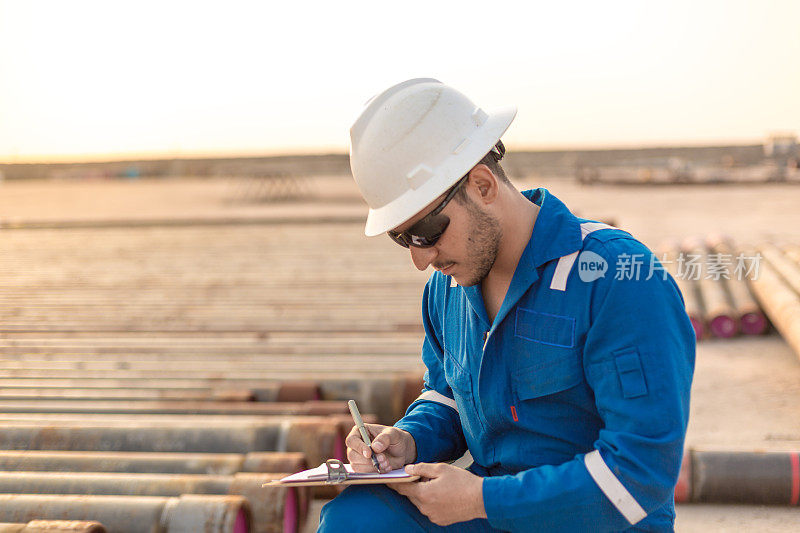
746 393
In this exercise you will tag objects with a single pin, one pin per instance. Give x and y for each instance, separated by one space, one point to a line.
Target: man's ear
484 184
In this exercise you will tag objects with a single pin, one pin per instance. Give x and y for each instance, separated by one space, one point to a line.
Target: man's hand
446 495
393 447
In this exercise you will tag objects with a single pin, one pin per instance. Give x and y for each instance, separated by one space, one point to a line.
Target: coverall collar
556 233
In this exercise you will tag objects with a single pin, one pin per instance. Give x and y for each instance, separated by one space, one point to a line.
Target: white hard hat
414 141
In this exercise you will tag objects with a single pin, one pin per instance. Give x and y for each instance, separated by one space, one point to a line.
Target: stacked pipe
757 478
718 312
145 473
151 462
146 369
716 296
777 287
270 506
750 317
134 514
388 395
687 287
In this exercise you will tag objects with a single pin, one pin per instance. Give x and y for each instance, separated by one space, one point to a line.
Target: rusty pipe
151 462
750 316
316 437
133 514
758 478
273 508
318 408
54 526
779 301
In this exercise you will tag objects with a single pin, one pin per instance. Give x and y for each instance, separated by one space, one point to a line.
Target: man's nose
422 257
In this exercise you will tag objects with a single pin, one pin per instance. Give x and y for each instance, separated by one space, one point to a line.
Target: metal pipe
80 393
274 508
750 316
318 438
755 478
783 265
314 408
792 251
384 395
54 526
151 462
688 287
133 514
780 302
718 311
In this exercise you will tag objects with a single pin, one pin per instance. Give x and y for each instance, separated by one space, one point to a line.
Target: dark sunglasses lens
423 234
399 238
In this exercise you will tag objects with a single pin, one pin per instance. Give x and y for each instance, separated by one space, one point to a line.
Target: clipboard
337 473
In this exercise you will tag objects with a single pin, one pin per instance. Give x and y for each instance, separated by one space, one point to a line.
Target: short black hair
491 160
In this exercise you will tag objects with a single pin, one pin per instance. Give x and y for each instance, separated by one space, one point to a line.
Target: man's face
467 249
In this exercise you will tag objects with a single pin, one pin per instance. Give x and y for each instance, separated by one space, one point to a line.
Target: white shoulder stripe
433 396
564 265
589 227
561 273
612 488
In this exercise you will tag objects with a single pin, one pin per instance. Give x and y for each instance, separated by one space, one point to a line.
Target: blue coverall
573 402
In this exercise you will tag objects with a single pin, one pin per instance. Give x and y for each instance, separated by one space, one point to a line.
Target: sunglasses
427 231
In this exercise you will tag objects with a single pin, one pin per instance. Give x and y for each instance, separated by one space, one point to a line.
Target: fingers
360 455
426 470
388 445
384 439
406 489
355 442
375 429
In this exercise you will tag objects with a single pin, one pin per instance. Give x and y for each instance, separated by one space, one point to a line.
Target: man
568 383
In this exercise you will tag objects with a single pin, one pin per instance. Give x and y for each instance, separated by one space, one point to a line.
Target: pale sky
121 78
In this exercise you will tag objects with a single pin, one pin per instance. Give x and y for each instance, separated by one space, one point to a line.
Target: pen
363 430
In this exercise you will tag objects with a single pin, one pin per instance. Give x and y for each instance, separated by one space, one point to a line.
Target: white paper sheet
321 473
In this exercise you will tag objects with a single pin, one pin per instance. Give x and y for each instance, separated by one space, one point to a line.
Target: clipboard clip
337 473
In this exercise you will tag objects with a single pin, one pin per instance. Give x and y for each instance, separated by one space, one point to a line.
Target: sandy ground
748 212
746 391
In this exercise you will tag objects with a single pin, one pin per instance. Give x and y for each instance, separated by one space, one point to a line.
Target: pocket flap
545 328
631 375
554 375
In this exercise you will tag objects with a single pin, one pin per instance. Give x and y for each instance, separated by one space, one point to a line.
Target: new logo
591 266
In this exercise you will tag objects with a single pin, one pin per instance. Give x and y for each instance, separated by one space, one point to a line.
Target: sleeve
638 360
432 419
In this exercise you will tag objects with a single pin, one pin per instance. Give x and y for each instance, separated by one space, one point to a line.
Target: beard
483 243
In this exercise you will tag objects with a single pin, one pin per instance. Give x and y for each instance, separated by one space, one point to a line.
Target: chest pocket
547 360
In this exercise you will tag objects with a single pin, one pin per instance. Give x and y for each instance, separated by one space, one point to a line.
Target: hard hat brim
455 167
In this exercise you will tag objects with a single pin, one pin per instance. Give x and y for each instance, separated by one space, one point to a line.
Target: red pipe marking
241 524
795 479
291 514
683 488
514 414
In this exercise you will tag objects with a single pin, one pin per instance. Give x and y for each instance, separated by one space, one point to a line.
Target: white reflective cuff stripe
561 274
612 488
434 396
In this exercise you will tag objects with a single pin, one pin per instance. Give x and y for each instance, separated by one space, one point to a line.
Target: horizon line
122 157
